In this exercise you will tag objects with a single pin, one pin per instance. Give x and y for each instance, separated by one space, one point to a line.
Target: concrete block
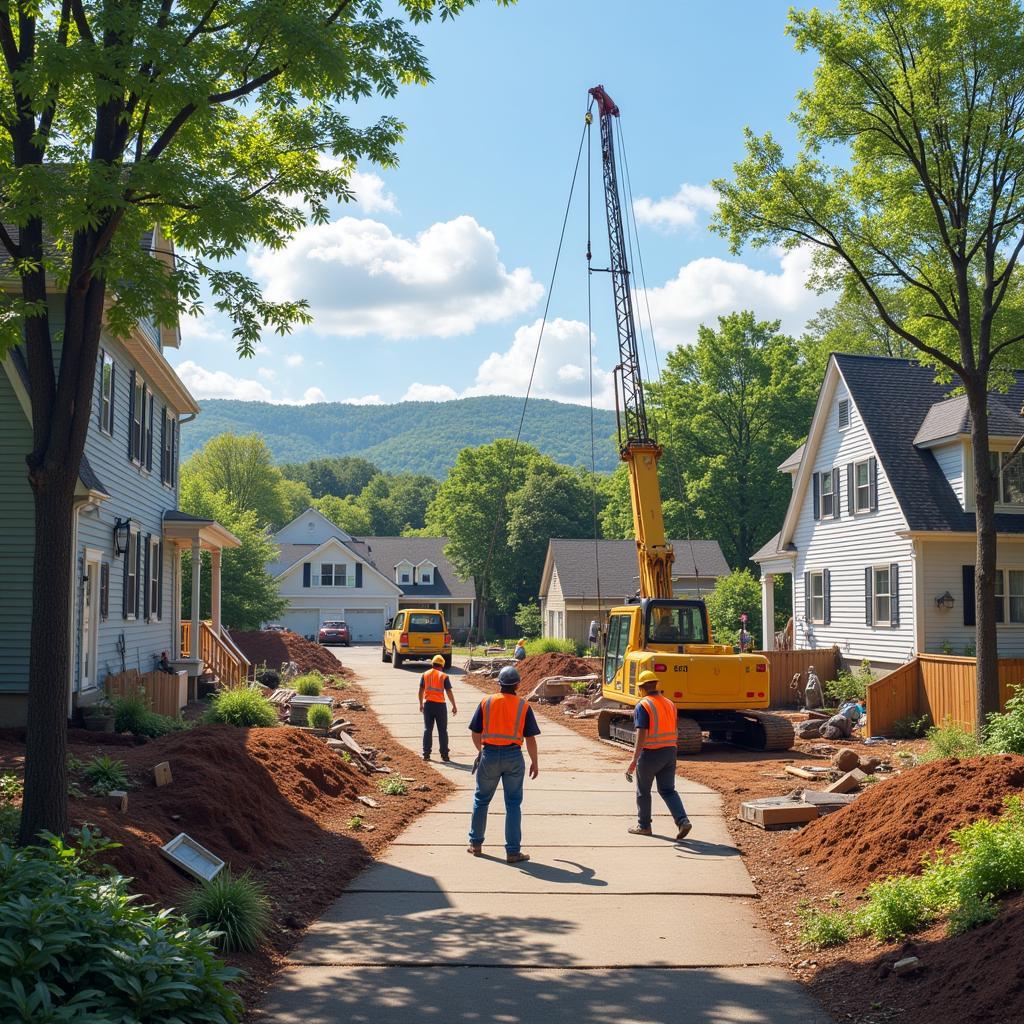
848 783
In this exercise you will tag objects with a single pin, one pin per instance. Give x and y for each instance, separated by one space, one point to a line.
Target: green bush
11 786
849 686
77 947
972 913
309 685
551 645
393 785
132 714
268 677
580 687
242 707
104 774
823 928
950 740
734 595
913 727
236 909
320 716
528 620
1004 734
897 907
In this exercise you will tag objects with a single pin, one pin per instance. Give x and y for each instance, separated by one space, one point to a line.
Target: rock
848 783
423 789
368 800
846 760
870 765
907 965
808 730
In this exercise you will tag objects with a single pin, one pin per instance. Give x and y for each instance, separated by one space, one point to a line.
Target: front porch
781 565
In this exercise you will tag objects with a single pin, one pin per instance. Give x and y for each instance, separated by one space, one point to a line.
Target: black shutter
872 483
99 393
869 590
124 581
826 587
968 578
164 478
894 591
131 416
807 597
851 490
172 472
305 574
816 492
147 426
113 397
835 493
138 572
147 568
160 582
359 575
104 590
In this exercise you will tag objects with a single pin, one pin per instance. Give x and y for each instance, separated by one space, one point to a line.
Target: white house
879 533
325 573
577 572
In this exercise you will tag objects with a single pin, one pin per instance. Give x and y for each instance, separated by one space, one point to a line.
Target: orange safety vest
433 685
662 730
504 719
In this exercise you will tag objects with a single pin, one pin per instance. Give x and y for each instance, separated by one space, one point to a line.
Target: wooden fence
938 685
786 664
167 693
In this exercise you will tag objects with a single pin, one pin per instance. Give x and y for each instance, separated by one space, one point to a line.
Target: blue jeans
659 766
507 765
435 713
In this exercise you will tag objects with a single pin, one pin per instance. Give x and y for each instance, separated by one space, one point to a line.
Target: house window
155 577
1009 477
862 484
332 575
827 496
405 577
844 413
425 576
817 584
131 576
106 392
104 590
881 595
138 419
169 449
460 612
1016 595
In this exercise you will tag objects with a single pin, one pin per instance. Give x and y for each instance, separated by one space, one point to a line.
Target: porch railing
218 652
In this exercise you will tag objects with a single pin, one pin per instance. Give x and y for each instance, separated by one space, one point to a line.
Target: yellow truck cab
672 638
417 634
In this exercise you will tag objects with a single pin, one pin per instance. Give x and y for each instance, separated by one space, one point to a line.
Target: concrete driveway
600 926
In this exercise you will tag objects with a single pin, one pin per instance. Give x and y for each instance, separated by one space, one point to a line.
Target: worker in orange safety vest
434 687
654 757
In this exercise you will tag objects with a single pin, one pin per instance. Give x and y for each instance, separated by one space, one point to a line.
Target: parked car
417 634
335 632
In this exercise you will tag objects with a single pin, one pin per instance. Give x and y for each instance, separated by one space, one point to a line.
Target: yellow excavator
716 690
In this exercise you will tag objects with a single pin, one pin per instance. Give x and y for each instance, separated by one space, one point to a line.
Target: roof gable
310 527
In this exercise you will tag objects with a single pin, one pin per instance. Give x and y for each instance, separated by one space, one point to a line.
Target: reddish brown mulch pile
896 823
540 666
274 648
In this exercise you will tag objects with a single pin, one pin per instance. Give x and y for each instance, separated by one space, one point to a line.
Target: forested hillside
409 437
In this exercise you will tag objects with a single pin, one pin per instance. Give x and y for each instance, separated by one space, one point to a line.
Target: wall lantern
122 533
944 601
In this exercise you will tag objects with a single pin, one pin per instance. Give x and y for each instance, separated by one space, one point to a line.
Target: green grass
104 774
551 645
355 822
237 908
393 785
242 707
319 716
309 685
950 740
820 929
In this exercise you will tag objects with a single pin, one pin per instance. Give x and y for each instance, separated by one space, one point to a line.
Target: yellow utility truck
416 634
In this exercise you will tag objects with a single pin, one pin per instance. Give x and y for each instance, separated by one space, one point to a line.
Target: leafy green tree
909 182
395 504
734 595
528 620
248 593
242 468
345 513
296 498
208 119
340 476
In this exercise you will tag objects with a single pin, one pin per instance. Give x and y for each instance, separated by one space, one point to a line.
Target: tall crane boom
637 447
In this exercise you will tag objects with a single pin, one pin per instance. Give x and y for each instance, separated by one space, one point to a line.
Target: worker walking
502 722
654 757
434 687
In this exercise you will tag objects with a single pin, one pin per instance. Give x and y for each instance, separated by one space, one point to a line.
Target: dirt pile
888 829
540 666
248 795
274 648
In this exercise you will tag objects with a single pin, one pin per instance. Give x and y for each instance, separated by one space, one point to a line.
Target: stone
870 765
907 965
848 783
368 800
162 773
808 730
121 797
846 760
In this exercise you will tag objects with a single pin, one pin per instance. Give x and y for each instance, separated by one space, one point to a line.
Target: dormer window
405 573
425 573
844 413
1009 477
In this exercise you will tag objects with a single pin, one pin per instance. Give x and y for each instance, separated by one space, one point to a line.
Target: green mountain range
409 437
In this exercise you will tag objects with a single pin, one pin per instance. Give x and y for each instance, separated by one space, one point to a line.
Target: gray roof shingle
953 417
577 574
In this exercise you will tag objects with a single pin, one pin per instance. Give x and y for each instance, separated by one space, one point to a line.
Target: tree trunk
987 668
45 807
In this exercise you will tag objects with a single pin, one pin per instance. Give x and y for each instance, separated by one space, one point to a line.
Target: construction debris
184 852
811 772
846 759
848 783
298 708
776 812
827 802
368 800
121 796
162 773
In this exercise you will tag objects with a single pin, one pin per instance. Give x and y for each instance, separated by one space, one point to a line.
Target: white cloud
371 193
202 328
293 360
429 393
311 395
205 383
267 373
675 212
361 278
364 400
562 372
707 288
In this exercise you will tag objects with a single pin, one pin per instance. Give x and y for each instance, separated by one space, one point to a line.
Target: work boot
685 827
475 848
636 830
446 759
516 858
426 757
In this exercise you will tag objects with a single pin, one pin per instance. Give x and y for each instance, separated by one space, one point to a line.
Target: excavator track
617 727
767 732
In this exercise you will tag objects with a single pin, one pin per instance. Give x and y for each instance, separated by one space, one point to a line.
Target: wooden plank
783 665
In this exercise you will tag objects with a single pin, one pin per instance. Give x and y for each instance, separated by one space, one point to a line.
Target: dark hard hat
508 676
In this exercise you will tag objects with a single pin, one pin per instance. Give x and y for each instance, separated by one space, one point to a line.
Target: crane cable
499 510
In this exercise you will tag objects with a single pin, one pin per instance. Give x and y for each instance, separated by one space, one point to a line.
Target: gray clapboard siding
950 458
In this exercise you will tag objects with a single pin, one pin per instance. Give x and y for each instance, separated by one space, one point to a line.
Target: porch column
197 568
767 612
215 589
176 596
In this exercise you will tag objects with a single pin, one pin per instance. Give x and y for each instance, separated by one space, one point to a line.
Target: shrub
528 620
1004 734
309 685
580 687
972 913
10 822
550 645
823 928
393 785
78 947
242 707
320 716
734 595
950 740
132 714
236 909
268 677
896 907
355 822
849 686
104 774
913 727
10 786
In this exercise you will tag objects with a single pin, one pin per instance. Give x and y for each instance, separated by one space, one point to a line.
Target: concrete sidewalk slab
570 804
661 868
414 929
459 995
576 782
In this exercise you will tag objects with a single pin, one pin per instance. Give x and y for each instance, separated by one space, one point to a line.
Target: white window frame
132 554
1000 480
840 405
858 487
338 571
137 425
819 598
169 448
880 595
154 579
831 511
106 393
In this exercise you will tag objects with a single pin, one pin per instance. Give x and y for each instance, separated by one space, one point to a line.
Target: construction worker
434 687
654 757
501 724
520 652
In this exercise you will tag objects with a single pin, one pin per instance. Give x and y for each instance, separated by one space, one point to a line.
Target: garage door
365 624
304 621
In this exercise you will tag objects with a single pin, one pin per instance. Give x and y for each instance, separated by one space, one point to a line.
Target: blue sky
432 285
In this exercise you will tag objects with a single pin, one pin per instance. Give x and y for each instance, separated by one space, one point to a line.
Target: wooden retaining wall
783 665
167 693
